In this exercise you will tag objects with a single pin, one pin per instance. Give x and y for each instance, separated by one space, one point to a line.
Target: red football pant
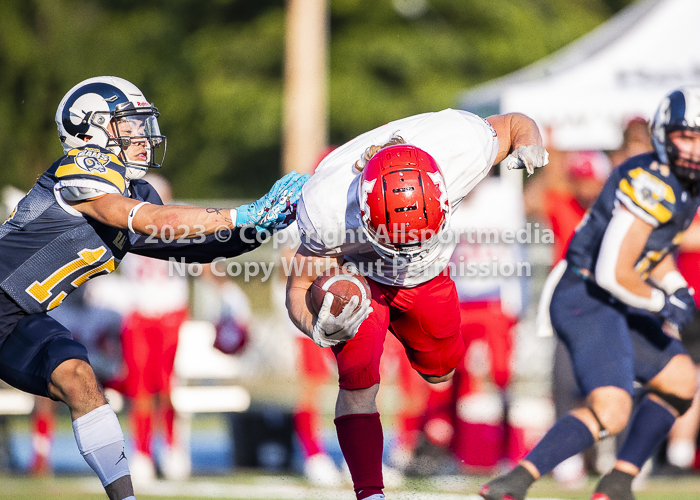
425 319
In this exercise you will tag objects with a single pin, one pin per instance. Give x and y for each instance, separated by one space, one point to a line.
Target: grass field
253 485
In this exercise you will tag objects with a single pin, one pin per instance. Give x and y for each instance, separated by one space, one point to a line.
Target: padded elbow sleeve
605 271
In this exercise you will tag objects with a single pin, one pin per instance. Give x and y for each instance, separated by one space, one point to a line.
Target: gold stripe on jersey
649 192
108 266
93 162
111 176
11 215
650 260
40 291
57 301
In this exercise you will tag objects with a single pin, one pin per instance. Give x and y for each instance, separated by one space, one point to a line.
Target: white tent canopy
583 95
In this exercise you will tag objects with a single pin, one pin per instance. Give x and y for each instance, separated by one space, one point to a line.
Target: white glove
527 157
330 330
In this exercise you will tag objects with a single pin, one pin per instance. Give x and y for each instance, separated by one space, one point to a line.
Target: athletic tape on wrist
132 214
672 282
234 215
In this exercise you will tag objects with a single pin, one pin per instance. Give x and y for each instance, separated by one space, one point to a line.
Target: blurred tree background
214 69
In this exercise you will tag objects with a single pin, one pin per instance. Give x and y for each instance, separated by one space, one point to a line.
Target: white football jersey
328 214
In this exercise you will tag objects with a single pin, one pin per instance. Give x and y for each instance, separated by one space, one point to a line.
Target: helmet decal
439 181
367 187
109 93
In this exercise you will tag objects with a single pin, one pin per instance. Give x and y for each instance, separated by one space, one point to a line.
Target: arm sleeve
197 249
606 265
240 241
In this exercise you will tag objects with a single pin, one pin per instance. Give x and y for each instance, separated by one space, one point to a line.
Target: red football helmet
403 200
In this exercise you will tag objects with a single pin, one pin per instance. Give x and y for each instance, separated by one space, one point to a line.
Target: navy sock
649 427
565 439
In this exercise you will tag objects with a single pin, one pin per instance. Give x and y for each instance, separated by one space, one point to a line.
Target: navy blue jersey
48 249
651 191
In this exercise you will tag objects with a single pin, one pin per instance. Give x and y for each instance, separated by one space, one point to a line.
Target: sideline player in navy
78 221
619 305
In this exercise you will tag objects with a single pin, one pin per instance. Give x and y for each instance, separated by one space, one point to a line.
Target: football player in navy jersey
78 221
618 305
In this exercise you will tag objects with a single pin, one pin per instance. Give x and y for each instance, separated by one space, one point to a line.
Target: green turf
80 488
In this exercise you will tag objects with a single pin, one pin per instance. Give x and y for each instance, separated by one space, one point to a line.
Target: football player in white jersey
382 203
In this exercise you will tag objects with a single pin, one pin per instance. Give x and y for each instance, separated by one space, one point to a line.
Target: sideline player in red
382 202
156 307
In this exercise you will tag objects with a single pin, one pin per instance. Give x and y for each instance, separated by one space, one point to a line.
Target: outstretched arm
519 136
275 210
114 210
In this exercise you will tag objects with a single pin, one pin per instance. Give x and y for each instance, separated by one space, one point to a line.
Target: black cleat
614 486
511 486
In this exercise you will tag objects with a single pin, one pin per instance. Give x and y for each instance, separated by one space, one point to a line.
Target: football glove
679 308
330 330
528 157
275 210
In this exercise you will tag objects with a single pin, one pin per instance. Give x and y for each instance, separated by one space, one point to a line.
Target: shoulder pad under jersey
645 193
91 168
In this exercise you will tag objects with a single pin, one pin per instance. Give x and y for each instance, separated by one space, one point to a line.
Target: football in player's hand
344 284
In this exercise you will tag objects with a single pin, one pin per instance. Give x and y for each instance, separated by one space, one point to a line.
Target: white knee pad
101 443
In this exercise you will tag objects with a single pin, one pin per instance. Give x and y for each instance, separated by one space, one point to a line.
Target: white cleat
393 478
142 469
176 464
320 470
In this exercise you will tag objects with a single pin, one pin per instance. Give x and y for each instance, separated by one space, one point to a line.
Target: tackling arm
114 210
275 210
691 238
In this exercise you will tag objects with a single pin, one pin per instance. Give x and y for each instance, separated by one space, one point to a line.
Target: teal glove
277 209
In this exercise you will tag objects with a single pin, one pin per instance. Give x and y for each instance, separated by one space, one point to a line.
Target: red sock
43 425
169 418
362 441
409 427
306 425
141 427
